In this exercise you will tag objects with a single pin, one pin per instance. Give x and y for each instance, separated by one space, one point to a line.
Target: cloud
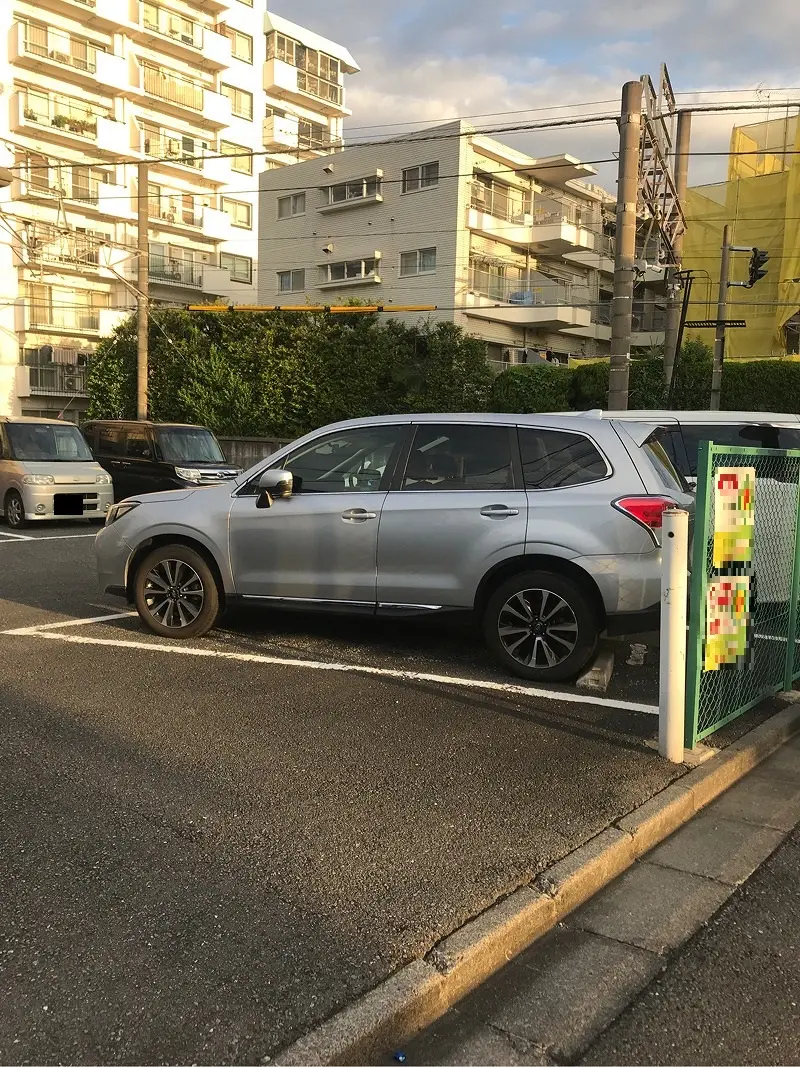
426 62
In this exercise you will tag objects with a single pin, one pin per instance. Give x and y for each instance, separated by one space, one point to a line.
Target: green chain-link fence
745 585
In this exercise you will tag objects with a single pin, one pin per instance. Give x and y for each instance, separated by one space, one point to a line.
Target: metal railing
169 24
552 209
63 114
61 48
58 379
168 147
46 245
500 204
75 317
186 216
318 87
524 293
175 271
172 88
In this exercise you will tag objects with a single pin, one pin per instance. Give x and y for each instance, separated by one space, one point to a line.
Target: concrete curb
422 991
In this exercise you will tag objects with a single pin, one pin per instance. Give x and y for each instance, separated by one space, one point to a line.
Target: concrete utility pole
143 294
722 310
671 338
630 132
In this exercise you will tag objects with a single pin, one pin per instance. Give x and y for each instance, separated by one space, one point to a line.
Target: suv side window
457 456
356 460
137 445
110 441
555 459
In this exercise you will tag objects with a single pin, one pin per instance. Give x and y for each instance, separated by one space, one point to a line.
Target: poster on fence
734 512
727 618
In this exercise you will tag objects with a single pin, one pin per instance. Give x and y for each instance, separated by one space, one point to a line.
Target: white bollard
672 675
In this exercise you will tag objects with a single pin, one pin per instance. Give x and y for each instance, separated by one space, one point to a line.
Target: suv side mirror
274 485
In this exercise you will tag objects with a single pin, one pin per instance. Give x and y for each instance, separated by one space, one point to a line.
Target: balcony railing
316 142
523 293
64 49
172 88
62 114
318 87
601 313
174 148
499 204
184 215
169 24
75 317
551 209
57 379
75 250
175 271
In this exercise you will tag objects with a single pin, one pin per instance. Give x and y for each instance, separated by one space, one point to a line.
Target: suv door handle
358 515
499 511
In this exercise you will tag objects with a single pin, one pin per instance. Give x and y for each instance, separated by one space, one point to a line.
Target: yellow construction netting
761 203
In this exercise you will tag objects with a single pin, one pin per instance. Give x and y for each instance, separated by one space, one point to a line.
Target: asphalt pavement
205 852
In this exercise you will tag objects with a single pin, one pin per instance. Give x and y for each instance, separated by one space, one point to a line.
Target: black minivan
149 457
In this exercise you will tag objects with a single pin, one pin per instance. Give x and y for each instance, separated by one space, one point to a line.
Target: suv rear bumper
634 622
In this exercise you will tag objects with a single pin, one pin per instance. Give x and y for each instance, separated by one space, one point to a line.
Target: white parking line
29 631
53 537
176 649
16 537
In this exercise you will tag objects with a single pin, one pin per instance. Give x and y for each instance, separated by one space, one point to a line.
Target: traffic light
757 266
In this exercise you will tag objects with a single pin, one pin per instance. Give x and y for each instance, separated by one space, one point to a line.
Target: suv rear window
555 459
661 463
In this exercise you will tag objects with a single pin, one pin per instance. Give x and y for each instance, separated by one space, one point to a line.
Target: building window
319 71
354 190
289 206
291 281
240 268
423 261
242 161
424 177
239 212
241 45
241 101
349 270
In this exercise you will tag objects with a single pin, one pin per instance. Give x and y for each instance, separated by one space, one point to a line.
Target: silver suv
546 527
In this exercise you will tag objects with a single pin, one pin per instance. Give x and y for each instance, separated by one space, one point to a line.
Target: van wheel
175 592
541 626
14 509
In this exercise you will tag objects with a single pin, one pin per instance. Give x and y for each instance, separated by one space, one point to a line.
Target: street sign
711 324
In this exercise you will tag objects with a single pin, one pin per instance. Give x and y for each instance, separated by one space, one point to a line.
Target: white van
47 472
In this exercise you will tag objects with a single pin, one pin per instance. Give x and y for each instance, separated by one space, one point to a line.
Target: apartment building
209 93
519 251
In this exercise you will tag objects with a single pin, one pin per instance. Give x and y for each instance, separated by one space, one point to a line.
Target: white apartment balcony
64 120
80 10
176 218
519 303
184 98
286 82
57 379
600 327
214 7
216 225
217 168
601 258
58 318
281 134
561 224
46 187
175 272
177 35
59 55
175 151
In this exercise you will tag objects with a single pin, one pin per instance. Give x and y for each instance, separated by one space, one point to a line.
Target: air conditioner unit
169 216
70 385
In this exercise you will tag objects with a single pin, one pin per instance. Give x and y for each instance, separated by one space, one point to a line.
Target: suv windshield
189 444
41 442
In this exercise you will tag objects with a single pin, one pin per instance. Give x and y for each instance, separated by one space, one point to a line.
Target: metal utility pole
719 337
143 293
672 333
630 131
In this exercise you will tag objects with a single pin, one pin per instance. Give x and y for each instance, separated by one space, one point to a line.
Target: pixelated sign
727 617
734 503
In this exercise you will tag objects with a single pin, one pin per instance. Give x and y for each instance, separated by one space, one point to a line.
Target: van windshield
189 444
41 442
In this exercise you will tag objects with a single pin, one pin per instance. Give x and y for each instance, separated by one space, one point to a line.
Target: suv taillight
648 511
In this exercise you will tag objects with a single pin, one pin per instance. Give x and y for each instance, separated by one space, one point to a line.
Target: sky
499 62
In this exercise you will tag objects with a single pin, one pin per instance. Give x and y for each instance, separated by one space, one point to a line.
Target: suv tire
176 593
14 510
541 626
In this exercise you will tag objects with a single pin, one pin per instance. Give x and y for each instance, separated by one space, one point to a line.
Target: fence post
699 585
674 587
788 674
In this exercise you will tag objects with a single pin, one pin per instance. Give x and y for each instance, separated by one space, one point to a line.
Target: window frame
291 272
241 153
513 442
291 197
363 196
574 433
225 201
232 34
234 90
234 255
418 253
420 186
372 275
